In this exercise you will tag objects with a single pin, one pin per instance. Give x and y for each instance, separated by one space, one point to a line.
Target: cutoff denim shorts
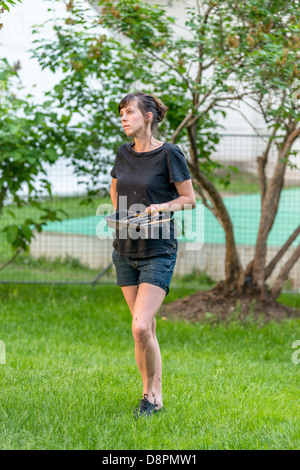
157 270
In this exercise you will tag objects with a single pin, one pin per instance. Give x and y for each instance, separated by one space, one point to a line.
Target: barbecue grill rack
127 219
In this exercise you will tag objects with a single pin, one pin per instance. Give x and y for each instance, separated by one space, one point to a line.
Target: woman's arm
186 197
114 193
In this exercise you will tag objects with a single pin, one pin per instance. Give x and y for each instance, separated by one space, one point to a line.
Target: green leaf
27 232
11 233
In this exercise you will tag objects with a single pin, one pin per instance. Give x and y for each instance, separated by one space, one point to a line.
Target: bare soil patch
216 305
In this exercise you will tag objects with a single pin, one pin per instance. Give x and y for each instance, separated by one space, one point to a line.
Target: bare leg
130 293
147 304
158 368
147 353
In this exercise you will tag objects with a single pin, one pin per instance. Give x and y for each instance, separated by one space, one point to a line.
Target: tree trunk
234 272
269 211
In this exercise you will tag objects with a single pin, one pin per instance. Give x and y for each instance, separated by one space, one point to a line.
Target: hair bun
161 108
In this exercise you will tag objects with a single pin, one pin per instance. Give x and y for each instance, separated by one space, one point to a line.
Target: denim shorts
156 270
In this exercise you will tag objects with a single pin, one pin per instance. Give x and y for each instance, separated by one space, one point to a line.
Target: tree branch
3 192
261 165
212 208
206 66
283 249
245 117
284 272
181 126
188 116
186 80
223 98
11 260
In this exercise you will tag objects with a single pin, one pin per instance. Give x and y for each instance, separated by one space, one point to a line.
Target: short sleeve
177 165
113 171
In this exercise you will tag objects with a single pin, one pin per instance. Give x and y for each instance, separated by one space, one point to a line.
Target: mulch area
215 305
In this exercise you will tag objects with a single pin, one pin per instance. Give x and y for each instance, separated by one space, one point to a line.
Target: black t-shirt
147 178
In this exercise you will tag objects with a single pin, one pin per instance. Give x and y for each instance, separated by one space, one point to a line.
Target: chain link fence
78 249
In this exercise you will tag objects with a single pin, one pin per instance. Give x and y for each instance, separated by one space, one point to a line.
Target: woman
153 175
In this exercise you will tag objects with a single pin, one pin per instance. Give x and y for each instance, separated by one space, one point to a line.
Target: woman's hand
156 207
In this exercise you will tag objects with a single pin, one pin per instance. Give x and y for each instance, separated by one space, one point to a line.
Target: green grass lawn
70 380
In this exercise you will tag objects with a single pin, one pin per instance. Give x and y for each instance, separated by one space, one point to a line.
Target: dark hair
146 103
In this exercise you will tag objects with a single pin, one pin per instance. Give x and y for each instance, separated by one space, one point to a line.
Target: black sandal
145 408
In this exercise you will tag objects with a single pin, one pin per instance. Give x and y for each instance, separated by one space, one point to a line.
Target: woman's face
133 121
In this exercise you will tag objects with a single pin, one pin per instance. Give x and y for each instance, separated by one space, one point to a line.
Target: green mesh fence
78 248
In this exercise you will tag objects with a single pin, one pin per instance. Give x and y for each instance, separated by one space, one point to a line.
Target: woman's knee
141 331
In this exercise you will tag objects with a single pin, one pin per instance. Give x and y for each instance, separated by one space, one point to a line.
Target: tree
271 71
232 52
31 136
